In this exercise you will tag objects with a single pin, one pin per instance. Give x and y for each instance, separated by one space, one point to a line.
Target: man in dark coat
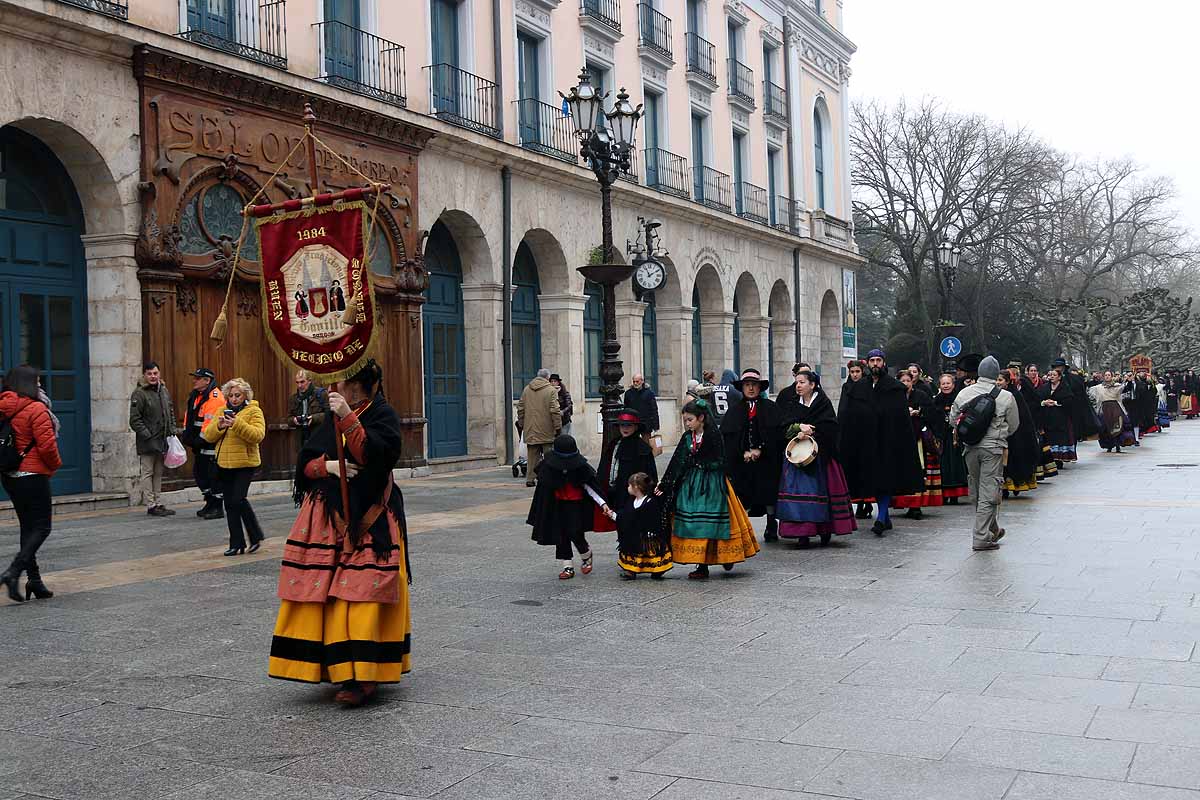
1083 420
878 446
641 398
752 430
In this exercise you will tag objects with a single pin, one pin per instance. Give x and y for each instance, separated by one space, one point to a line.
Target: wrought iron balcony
751 202
631 174
361 62
711 188
606 11
111 8
783 214
774 101
701 56
741 82
253 29
462 99
654 30
666 172
543 129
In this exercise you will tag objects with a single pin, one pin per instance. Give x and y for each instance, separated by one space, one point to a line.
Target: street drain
526 603
1177 465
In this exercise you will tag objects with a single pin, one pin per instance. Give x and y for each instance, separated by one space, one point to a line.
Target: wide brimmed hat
1058 362
970 362
628 416
752 375
565 455
802 451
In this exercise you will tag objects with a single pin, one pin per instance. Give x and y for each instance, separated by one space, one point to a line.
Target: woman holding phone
237 430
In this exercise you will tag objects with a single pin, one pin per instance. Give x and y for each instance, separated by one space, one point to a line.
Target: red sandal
586 563
566 574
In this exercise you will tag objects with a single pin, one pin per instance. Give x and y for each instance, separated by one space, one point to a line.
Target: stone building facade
742 157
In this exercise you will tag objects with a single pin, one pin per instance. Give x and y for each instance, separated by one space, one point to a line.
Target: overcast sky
1097 77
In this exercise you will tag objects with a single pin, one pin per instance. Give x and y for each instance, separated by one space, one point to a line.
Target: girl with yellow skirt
708 523
344 615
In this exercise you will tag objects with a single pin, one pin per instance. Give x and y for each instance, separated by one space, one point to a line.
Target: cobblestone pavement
1062 666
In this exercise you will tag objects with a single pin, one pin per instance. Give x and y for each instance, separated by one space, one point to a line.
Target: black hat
1059 362
752 375
970 362
629 416
555 377
203 372
565 455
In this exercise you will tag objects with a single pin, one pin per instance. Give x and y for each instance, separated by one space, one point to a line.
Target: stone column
563 352
675 366
716 331
484 368
754 343
114 310
783 340
630 314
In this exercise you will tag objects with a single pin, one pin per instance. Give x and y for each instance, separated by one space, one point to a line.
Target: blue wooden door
342 41
211 16
445 356
43 305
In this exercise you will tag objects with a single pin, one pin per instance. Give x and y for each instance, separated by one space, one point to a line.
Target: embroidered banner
313 261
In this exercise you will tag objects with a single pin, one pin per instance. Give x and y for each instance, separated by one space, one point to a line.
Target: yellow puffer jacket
238 446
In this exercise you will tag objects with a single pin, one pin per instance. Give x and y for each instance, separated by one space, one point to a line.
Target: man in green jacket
152 419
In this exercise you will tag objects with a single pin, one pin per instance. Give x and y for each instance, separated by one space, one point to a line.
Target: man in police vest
203 402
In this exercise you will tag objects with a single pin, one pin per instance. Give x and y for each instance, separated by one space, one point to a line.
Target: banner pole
310 146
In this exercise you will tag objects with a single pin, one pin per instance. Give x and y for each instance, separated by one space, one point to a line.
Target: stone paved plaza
1063 666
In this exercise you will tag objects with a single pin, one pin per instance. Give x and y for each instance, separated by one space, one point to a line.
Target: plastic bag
522 449
176 456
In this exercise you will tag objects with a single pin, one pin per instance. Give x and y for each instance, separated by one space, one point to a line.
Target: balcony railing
606 11
361 62
112 8
783 214
751 202
543 129
666 172
741 81
253 29
654 29
462 99
711 188
631 174
701 58
774 100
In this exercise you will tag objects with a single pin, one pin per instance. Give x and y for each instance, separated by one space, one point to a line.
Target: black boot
771 534
36 587
11 580
213 508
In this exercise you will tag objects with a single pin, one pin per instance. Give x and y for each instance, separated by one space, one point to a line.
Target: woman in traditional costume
1116 431
1020 471
954 467
855 370
814 499
301 305
1056 400
708 523
344 616
1031 384
641 544
920 409
623 458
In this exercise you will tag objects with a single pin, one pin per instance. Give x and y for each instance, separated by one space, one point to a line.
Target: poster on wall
849 316
313 262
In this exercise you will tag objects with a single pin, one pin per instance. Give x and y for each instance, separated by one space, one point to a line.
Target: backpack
10 456
976 416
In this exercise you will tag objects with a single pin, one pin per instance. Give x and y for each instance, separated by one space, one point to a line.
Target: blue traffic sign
951 347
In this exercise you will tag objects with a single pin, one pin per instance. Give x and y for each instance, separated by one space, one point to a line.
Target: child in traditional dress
641 545
561 512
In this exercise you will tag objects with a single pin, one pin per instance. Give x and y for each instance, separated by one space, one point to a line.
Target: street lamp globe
623 119
585 104
943 253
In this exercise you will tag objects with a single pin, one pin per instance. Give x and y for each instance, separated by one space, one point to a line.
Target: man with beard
1083 420
752 430
878 448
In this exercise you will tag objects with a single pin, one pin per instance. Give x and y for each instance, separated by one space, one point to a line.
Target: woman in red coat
29 485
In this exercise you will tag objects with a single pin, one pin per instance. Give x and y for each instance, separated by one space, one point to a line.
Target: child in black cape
641 545
561 512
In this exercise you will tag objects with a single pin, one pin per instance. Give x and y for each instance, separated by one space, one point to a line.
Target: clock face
650 275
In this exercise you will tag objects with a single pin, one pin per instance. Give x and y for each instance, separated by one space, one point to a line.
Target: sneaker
157 511
997 534
986 546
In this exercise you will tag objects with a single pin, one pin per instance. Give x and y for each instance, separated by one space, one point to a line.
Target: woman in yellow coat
237 429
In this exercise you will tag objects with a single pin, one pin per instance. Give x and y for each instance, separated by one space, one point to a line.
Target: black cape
878 448
756 483
1083 419
546 512
1024 447
633 455
382 450
821 416
640 530
1057 421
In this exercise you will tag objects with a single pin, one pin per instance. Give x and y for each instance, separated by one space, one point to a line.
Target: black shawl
544 513
941 427
756 483
1057 421
821 416
1024 447
633 455
382 451
878 449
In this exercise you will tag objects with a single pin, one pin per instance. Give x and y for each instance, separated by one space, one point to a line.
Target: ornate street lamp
948 255
606 144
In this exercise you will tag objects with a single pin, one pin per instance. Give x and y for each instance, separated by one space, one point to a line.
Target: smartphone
229 412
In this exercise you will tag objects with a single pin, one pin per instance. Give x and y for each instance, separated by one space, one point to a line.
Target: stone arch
99 194
781 334
554 275
749 326
472 243
831 342
712 323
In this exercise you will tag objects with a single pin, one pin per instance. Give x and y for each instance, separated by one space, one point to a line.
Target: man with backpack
984 417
